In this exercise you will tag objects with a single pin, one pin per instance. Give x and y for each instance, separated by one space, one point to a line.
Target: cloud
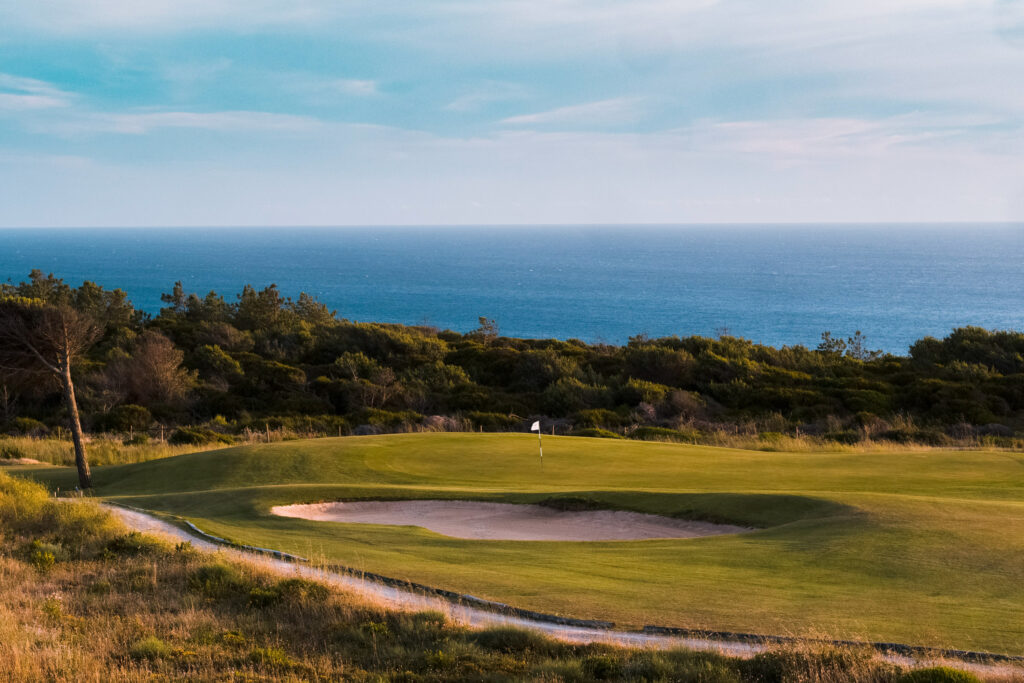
611 112
353 86
19 93
139 123
485 94
81 16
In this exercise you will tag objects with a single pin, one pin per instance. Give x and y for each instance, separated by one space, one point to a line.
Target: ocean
774 284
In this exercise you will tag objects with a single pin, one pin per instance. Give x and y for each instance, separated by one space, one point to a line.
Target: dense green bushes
267 362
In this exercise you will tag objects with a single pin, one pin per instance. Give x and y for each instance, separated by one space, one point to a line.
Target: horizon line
342 226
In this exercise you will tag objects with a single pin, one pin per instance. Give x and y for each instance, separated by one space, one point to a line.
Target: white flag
535 427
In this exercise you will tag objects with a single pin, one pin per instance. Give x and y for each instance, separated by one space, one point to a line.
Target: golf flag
540 446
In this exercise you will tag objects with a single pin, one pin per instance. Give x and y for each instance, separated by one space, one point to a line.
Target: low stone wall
889 648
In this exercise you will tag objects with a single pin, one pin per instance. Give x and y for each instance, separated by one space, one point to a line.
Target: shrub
218 580
601 418
9 451
512 640
595 433
602 666
387 418
938 674
781 666
196 436
846 436
663 434
263 597
301 591
271 658
149 648
493 422
133 544
42 560
123 418
26 426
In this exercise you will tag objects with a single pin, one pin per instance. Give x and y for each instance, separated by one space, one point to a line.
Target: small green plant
938 674
376 629
197 436
42 560
271 658
150 648
132 545
232 638
53 608
595 432
602 667
217 580
185 548
263 597
440 660
511 640
43 556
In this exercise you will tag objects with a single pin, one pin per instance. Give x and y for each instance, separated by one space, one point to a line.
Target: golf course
924 547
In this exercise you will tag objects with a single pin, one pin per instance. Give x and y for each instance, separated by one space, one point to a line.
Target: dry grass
101 451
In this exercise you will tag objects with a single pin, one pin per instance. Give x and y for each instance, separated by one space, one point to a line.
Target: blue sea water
774 284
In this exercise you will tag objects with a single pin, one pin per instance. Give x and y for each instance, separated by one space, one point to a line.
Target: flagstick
540 445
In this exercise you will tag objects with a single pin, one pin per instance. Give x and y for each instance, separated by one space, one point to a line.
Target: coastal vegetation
209 370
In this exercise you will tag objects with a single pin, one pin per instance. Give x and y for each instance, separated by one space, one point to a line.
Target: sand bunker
505 522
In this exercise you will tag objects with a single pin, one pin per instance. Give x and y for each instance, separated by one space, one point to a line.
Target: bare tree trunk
84 475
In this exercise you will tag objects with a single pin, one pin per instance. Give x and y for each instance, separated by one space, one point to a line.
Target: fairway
925 548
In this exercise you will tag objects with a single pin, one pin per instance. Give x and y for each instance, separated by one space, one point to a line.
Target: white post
540 445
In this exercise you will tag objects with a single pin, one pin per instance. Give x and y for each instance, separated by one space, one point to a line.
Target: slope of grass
918 547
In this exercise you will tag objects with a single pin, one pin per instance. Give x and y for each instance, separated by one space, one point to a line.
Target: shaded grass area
922 548
83 599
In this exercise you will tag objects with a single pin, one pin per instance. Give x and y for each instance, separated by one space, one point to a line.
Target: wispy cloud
353 86
139 123
611 112
19 93
76 16
486 94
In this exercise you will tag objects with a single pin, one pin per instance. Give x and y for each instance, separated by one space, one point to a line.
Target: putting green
918 547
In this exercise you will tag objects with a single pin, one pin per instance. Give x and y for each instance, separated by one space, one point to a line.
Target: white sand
505 522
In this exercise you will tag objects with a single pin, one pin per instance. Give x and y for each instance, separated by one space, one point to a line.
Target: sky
366 112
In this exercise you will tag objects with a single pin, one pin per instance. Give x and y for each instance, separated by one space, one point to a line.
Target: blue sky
333 112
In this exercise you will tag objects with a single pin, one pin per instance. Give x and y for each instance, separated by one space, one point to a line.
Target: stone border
502 608
885 648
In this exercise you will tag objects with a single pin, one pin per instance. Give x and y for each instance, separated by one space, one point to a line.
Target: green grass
917 547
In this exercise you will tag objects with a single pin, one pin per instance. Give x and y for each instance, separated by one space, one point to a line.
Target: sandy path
395 598
507 522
